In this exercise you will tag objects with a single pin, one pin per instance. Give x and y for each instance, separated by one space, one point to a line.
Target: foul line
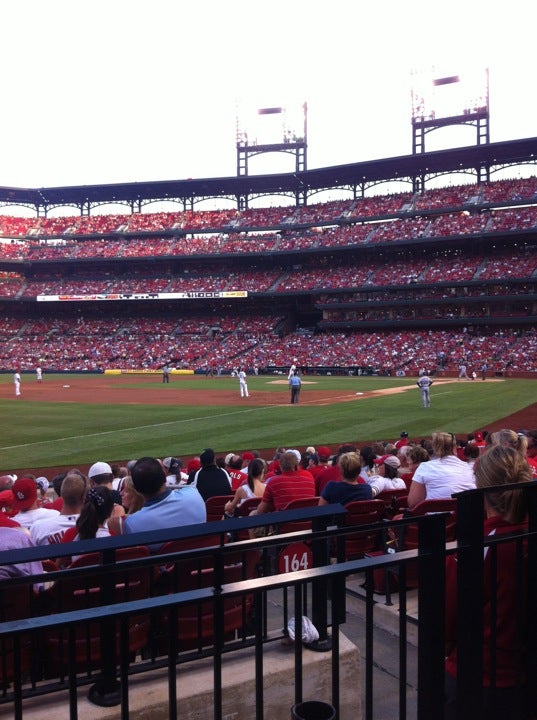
136 428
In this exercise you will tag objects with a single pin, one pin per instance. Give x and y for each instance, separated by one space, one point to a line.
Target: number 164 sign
296 556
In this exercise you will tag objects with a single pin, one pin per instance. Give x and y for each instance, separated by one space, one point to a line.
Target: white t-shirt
381 484
51 531
444 476
177 480
28 517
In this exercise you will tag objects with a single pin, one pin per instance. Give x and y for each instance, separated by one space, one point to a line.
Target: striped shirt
282 489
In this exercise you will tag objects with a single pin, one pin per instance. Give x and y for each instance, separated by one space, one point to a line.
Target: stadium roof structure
478 158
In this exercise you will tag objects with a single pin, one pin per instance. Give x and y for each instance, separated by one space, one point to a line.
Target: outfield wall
117 371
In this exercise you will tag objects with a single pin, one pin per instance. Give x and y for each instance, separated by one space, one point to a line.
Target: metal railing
320 587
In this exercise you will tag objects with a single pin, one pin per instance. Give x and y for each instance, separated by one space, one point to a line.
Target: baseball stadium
424 262
164 319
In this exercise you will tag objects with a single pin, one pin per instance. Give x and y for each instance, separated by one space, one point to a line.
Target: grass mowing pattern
41 434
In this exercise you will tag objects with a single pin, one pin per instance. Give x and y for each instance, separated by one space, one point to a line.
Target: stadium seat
408 535
215 506
395 501
243 510
195 622
297 526
16 603
86 590
405 537
363 513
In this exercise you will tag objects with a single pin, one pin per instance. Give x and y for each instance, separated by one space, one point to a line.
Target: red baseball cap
193 465
24 493
6 503
324 452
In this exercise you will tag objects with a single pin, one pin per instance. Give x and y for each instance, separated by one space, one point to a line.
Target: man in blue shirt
295 384
163 507
166 373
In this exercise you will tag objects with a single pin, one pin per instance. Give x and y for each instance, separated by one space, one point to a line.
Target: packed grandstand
377 282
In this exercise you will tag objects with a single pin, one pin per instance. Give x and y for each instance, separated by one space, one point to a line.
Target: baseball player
17 382
292 369
243 384
424 383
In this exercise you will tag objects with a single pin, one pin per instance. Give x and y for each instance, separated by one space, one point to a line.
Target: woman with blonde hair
351 486
518 441
504 609
131 500
510 438
443 475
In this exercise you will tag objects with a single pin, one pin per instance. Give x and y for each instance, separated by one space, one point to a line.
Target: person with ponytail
253 487
93 518
519 441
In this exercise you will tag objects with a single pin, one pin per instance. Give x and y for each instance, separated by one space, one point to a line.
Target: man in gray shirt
424 383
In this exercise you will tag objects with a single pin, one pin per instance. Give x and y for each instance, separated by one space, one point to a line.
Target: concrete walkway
385 646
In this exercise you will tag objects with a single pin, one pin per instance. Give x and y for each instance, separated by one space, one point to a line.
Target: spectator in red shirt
323 453
331 472
403 440
505 512
291 485
233 467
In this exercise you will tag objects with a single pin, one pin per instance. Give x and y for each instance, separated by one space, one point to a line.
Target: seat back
410 532
360 513
298 525
169 572
246 507
196 621
85 591
15 604
215 506
243 510
395 501
81 591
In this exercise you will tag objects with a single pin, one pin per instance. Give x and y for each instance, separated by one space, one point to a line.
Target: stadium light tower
440 100
272 130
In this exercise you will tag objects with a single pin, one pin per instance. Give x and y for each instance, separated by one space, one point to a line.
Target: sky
123 90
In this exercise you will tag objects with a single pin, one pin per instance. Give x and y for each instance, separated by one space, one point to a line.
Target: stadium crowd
254 341
429 282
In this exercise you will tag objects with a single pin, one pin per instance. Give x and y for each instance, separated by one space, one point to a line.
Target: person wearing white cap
100 473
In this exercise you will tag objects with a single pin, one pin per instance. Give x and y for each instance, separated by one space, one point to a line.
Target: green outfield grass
42 434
